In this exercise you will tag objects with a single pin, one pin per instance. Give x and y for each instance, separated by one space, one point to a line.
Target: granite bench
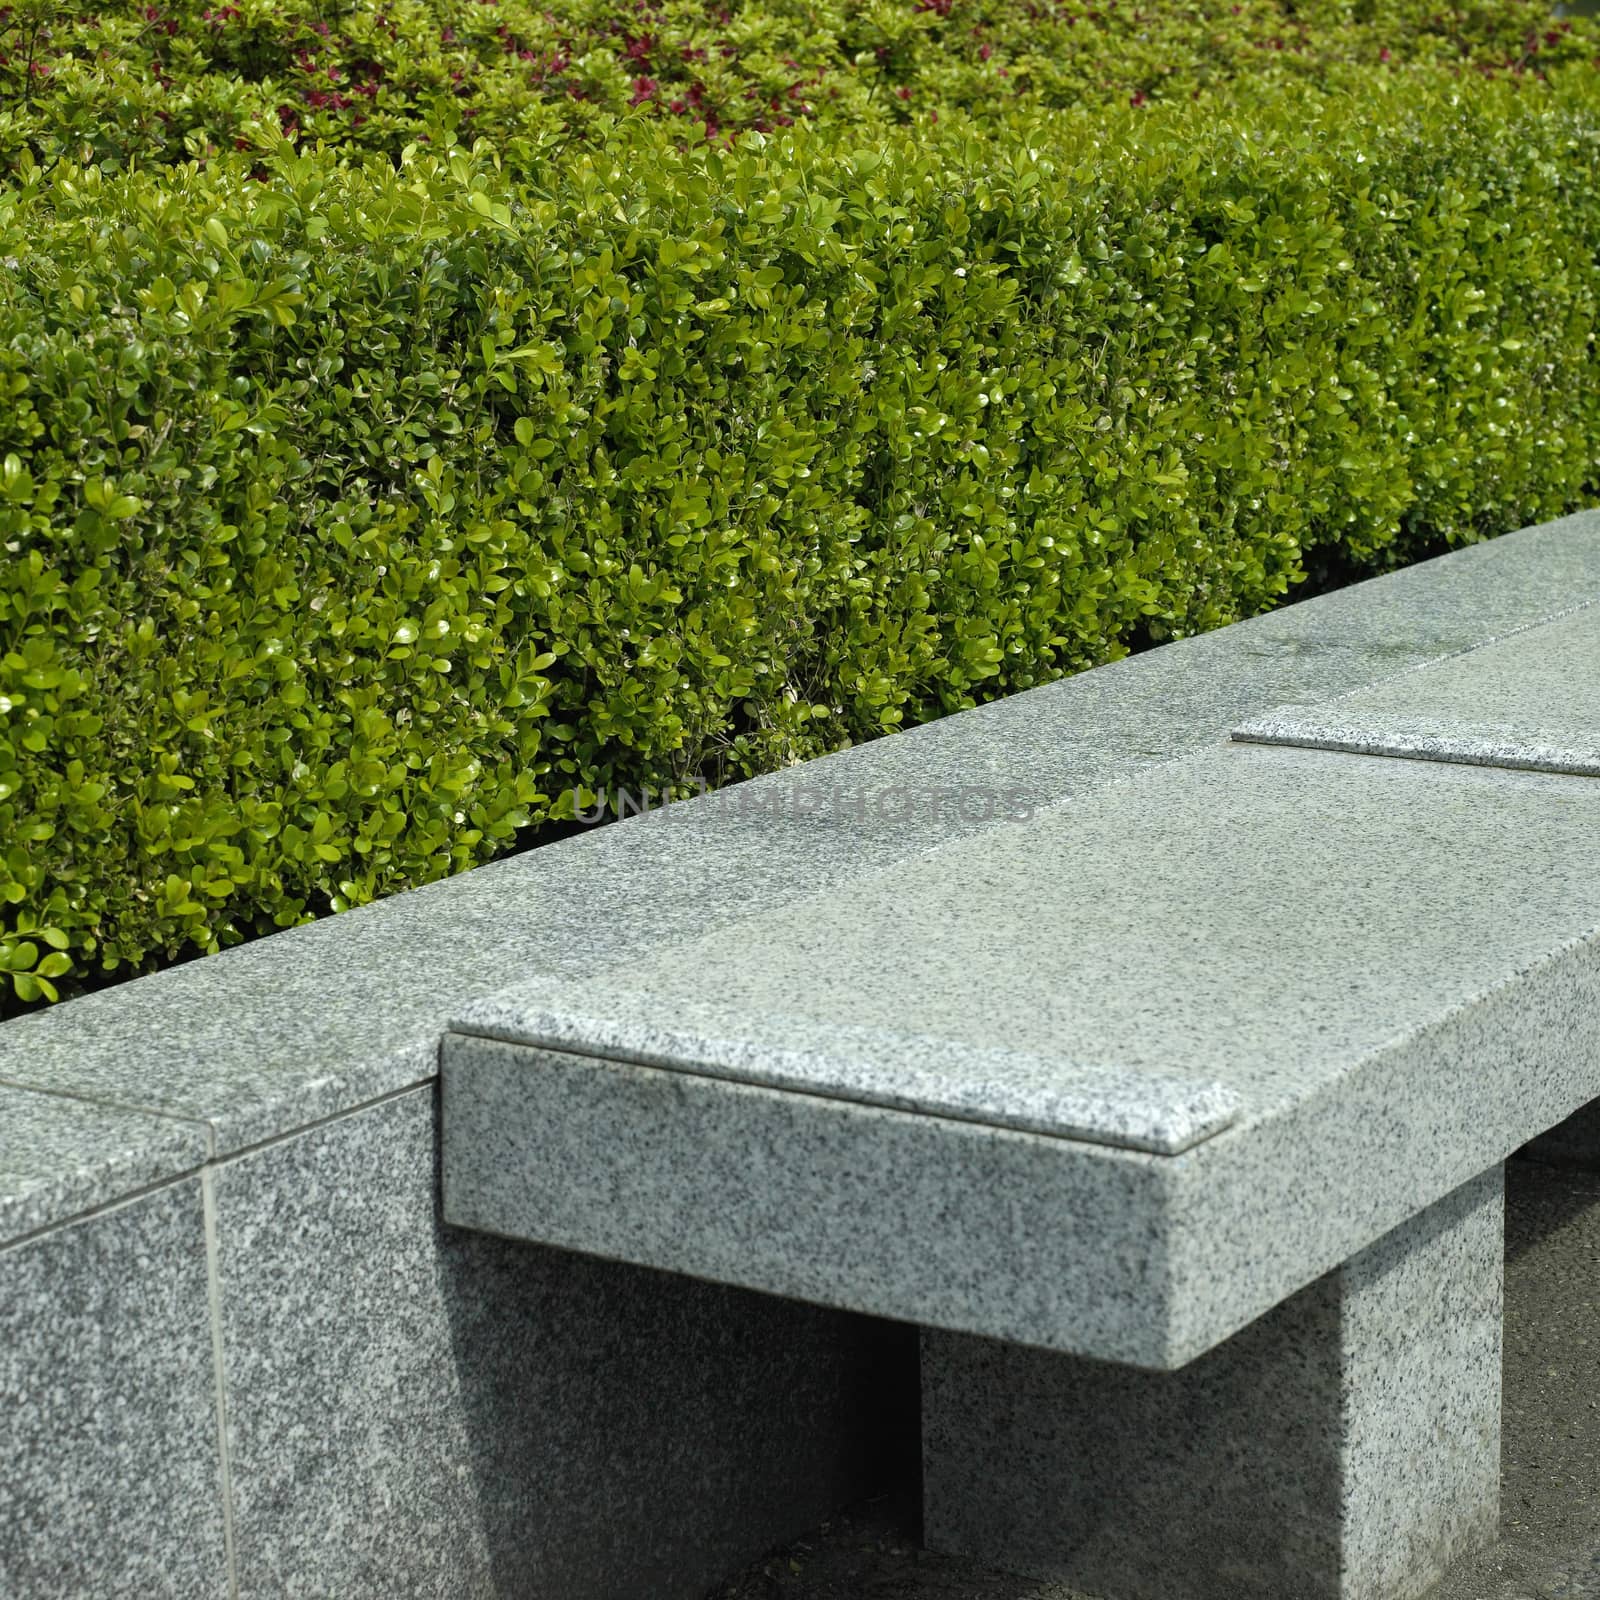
1174 1115
242 1354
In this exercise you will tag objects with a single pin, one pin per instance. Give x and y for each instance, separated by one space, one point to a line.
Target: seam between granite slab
203 1168
1459 744
1547 620
228 1157
162 1150
105 1208
1196 1110
1169 757
423 1046
1543 620
1242 732
219 1370
1560 614
106 1103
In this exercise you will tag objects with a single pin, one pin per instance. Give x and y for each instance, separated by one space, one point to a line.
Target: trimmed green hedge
353 516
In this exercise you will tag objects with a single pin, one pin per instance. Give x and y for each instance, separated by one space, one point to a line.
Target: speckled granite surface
1530 701
111 1480
1292 925
1549 1546
782 1038
1345 1446
941 1222
274 1035
1259 919
416 1411
61 1157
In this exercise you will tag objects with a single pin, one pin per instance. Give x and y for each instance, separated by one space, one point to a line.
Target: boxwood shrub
184 79
356 512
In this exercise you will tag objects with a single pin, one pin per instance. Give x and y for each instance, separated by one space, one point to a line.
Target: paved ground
1550 1549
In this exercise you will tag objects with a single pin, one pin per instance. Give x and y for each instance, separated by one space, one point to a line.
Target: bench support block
1346 1446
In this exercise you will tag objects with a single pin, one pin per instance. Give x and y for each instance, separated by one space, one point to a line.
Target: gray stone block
112 1482
415 1411
1527 701
61 1157
919 1218
859 1116
1344 1447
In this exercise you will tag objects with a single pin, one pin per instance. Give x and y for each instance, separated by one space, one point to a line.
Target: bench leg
1346 1446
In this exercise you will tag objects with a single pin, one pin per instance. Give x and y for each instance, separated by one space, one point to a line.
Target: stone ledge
960 1078
1289 925
61 1157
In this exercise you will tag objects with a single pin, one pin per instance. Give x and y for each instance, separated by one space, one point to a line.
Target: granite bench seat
1173 1114
243 1354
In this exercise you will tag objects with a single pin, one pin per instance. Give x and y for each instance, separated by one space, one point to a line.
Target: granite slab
1345 1446
61 1157
1531 701
925 1220
418 1411
1295 927
1219 936
108 1430
801 1049
274 1035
